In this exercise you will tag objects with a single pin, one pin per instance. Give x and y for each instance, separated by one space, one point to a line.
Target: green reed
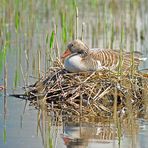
16 78
17 20
46 53
133 32
51 40
2 58
83 29
64 27
49 49
122 35
51 45
4 135
50 140
28 28
112 34
105 32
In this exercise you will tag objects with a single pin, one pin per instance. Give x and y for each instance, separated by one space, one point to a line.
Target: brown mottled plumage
78 58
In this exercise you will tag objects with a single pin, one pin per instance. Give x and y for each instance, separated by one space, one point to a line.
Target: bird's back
111 59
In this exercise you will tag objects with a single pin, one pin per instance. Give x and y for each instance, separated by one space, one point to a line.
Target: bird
80 58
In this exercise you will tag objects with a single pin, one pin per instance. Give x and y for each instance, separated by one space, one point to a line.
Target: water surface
25 30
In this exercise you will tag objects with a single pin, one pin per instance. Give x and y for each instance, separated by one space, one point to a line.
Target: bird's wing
110 57
107 57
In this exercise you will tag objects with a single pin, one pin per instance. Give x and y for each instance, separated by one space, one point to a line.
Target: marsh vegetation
33 34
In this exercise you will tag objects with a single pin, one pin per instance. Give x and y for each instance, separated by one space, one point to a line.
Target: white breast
75 64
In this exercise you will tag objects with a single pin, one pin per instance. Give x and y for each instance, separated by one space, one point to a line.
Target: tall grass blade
16 78
17 21
64 29
50 141
3 56
112 35
4 135
51 39
1 61
5 89
82 34
77 22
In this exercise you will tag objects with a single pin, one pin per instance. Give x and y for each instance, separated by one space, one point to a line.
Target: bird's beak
66 53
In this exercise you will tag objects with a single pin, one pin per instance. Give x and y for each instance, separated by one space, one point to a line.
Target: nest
89 94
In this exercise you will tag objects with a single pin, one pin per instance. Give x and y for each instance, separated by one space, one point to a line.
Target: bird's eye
80 51
70 46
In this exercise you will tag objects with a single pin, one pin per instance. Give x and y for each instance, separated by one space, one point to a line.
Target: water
25 38
19 133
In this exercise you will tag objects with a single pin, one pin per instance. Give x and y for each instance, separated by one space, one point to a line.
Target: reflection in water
85 134
143 134
94 135
75 134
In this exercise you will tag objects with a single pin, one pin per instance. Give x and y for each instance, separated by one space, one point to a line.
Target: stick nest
89 94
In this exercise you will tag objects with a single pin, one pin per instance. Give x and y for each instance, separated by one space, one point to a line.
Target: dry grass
91 94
